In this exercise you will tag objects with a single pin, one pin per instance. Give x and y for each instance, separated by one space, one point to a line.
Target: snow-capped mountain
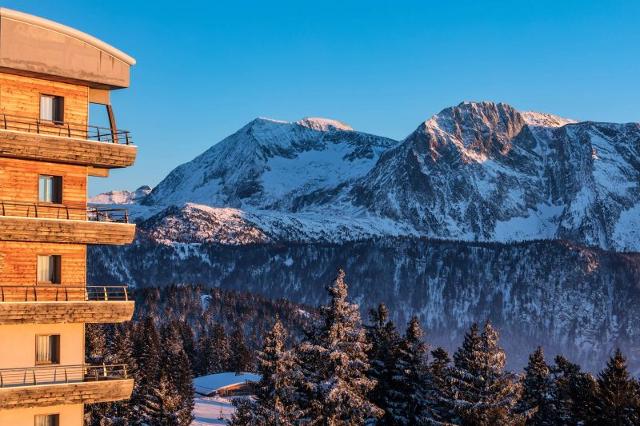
484 171
121 197
273 165
479 171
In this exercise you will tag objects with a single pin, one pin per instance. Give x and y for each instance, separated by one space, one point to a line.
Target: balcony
58 385
56 223
60 304
63 142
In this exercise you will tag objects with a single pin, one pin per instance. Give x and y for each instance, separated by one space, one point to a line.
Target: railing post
106 296
126 294
124 369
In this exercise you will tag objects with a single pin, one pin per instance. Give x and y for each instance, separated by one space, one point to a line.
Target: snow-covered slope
121 197
476 171
272 164
484 171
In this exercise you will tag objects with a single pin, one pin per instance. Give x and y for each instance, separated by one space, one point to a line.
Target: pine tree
274 404
617 400
439 369
574 393
214 353
241 358
145 401
408 402
385 341
481 392
332 386
175 390
120 351
535 402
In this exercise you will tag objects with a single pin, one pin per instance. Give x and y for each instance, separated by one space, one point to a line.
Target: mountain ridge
476 171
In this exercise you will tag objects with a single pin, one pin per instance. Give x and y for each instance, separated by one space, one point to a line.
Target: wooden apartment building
49 76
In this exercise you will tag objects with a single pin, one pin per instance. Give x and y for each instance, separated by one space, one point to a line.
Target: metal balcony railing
59 374
65 129
64 293
63 211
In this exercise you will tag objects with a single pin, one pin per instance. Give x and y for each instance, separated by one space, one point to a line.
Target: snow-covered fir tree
274 401
481 392
385 340
214 352
331 375
145 400
536 402
411 387
617 401
439 370
574 393
241 358
175 391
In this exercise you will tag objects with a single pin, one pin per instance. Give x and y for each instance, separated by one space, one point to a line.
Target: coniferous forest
327 366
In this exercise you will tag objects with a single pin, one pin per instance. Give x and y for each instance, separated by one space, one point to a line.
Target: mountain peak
542 119
323 124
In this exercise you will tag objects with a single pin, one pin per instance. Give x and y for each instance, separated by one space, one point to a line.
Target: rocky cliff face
487 172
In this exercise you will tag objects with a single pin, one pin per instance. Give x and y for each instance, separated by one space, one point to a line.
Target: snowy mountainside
483 171
271 164
121 197
477 171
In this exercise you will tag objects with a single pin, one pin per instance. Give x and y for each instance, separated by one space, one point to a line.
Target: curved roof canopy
32 45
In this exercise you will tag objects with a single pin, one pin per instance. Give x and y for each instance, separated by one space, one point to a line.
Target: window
49 268
52 108
48 349
50 189
47 420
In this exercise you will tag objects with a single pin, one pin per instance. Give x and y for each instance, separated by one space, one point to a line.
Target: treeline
345 373
325 367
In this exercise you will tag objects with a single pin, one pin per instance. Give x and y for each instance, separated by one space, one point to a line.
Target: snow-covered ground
214 410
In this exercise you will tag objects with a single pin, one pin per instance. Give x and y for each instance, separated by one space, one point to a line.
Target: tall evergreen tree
385 341
145 401
618 395
332 383
481 392
274 402
214 352
439 370
573 393
535 402
408 402
175 391
241 358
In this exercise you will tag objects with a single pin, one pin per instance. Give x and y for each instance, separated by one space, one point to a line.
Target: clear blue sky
207 68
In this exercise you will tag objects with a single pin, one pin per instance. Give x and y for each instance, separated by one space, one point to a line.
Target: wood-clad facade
49 75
